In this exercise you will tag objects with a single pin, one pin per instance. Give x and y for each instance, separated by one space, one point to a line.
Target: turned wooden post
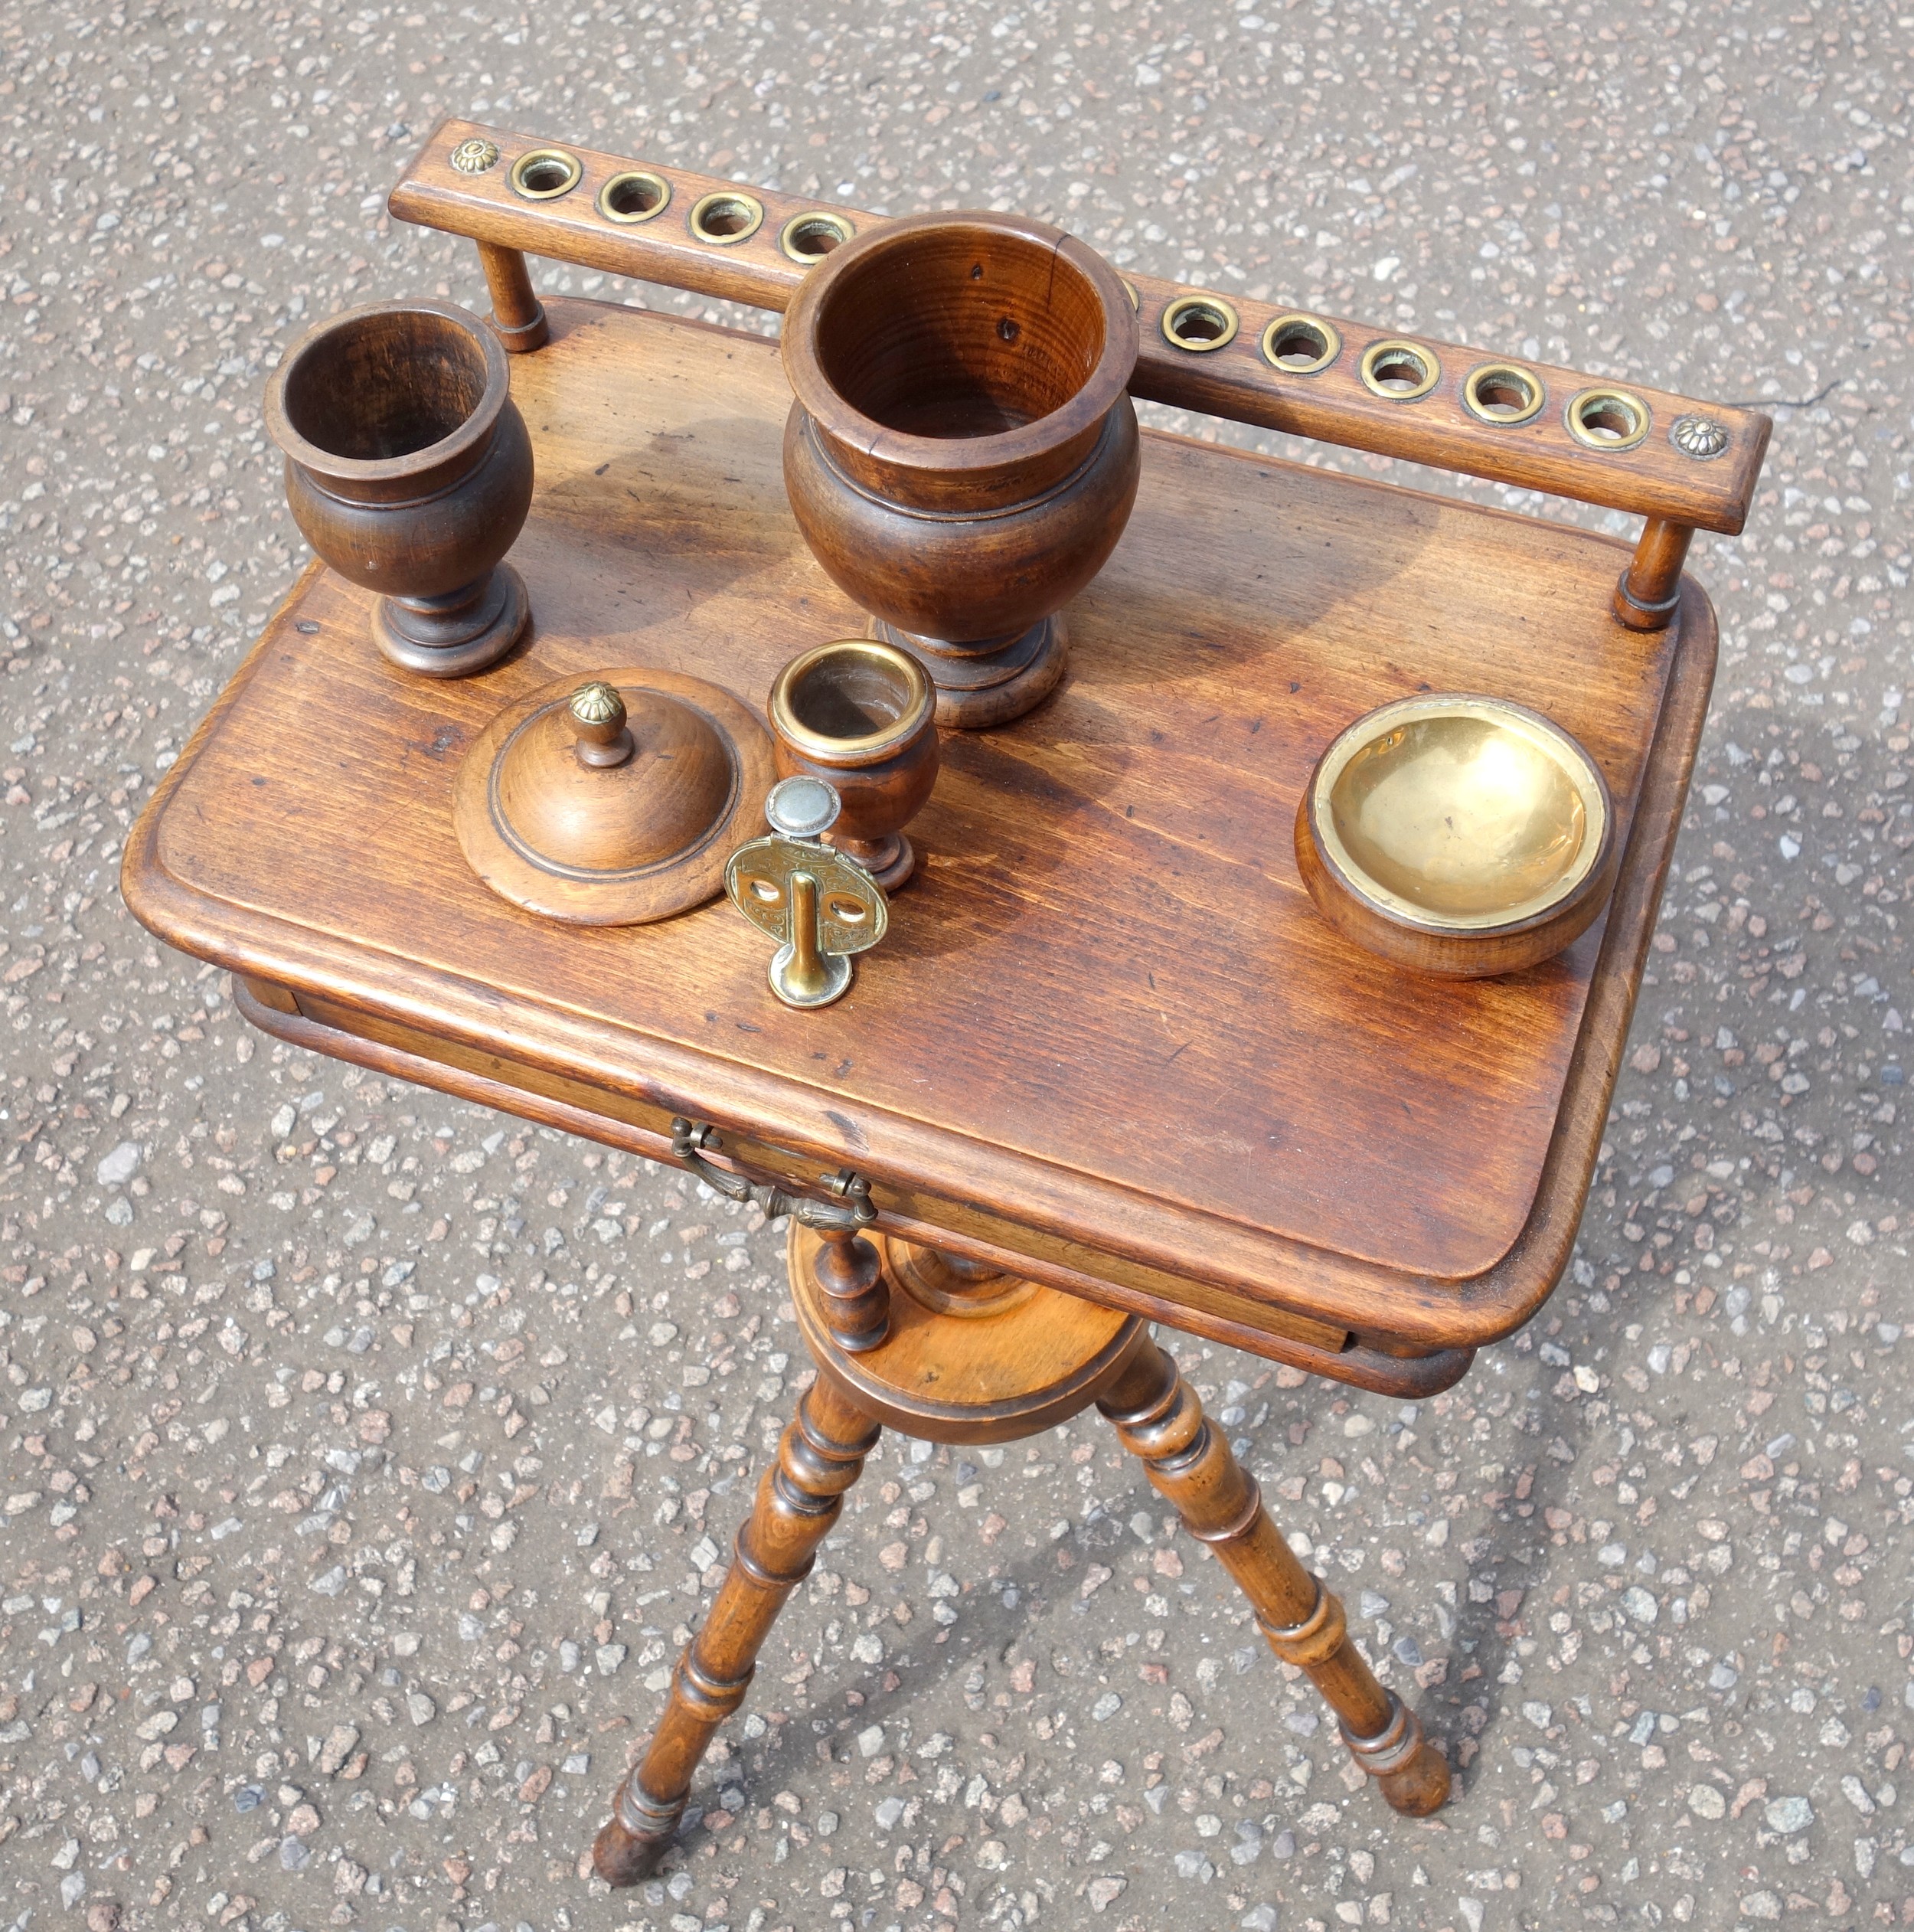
856 1297
1650 589
1160 1420
820 1455
517 312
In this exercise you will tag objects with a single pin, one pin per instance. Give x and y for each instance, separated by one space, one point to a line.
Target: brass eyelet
807 239
1129 288
1504 393
1608 419
635 196
1199 323
1399 371
545 174
1300 345
725 216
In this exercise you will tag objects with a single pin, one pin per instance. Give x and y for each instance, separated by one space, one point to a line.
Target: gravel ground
366 1457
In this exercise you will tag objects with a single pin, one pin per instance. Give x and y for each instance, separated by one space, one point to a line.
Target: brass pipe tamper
820 905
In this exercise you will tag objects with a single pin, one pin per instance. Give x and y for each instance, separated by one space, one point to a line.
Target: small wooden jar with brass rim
862 715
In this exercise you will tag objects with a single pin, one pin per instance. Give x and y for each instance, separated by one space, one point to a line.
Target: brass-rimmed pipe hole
1608 419
725 216
1129 288
1199 323
545 174
808 238
1503 393
635 196
1300 345
1399 371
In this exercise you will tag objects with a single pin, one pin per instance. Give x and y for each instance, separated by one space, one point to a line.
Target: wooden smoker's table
1109 1045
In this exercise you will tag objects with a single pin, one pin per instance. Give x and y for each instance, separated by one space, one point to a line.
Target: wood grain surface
1107 1026
1654 479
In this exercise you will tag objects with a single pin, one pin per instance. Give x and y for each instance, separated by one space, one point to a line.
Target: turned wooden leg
517 312
1160 1421
1649 592
820 1455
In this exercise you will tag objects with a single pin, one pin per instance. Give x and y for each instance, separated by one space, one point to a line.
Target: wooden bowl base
891 860
454 636
980 686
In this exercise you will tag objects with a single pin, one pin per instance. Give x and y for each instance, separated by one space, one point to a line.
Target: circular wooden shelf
1023 1363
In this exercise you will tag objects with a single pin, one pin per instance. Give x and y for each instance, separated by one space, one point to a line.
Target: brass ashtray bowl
1458 836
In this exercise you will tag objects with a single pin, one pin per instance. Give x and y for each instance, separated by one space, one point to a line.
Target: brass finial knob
597 715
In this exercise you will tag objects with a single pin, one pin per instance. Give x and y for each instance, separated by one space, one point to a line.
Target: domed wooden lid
615 800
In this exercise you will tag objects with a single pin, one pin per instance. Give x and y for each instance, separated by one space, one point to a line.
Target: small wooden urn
861 714
962 455
409 470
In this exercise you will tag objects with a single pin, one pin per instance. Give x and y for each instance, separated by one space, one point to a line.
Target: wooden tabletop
1108 1035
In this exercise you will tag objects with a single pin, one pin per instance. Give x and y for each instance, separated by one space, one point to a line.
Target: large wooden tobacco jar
1110 1065
962 455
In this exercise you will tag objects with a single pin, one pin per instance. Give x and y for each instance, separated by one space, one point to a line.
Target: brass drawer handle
852 1210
